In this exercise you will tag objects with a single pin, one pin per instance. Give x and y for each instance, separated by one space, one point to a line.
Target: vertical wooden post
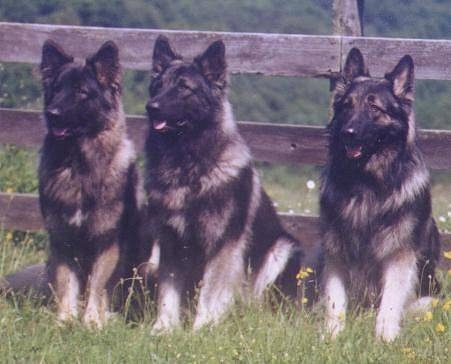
347 17
347 21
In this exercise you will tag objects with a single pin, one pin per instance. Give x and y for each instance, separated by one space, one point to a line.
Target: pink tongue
159 124
59 132
353 152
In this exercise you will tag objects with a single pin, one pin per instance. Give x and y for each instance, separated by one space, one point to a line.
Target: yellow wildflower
303 273
9 236
428 316
9 190
304 300
409 352
440 327
435 302
447 254
447 305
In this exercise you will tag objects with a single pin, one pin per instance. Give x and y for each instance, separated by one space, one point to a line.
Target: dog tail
287 280
299 279
31 281
279 264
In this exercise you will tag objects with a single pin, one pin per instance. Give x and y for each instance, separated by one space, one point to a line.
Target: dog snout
152 107
349 134
53 111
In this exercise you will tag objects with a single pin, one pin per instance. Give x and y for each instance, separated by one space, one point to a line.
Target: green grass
249 334
266 333
17 169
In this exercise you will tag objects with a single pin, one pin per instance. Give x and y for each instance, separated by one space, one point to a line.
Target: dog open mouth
163 125
353 152
160 125
60 133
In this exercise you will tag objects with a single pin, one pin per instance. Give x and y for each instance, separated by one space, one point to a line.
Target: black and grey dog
89 189
381 242
210 218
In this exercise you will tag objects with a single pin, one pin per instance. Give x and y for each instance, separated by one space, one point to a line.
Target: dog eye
83 94
347 104
375 108
183 84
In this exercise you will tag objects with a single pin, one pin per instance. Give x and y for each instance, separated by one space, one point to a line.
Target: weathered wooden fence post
348 17
347 21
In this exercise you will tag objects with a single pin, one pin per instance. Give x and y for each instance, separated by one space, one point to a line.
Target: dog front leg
223 278
398 286
335 298
102 270
67 288
170 286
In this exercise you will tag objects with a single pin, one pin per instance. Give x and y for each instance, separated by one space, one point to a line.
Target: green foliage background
254 97
256 334
258 98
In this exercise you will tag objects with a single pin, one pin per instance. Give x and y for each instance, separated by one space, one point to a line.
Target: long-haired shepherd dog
208 213
381 242
88 180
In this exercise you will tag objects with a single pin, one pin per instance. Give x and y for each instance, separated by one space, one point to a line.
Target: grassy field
267 333
250 333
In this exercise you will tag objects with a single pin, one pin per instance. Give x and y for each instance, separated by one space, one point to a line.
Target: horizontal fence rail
261 53
274 143
253 53
19 211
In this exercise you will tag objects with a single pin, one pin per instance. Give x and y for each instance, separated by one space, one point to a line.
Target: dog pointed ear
53 58
354 65
402 78
163 54
106 66
213 63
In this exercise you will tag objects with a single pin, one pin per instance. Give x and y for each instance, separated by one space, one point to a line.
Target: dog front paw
161 327
334 326
66 317
387 330
94 319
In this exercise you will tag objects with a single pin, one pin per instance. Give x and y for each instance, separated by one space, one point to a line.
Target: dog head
372 116
79 99
184 96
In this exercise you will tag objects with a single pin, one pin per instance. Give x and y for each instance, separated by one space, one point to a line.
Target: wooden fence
268 54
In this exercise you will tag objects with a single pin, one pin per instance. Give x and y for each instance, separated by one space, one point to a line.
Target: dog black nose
53 111
152 106
349 133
